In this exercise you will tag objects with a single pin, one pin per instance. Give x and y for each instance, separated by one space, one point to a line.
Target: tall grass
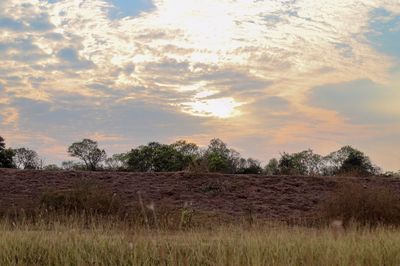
364 205
264 245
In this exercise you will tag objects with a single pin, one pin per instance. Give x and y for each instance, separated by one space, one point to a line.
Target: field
237 220
267 245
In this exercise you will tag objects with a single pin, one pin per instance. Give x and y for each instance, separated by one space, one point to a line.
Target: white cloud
240 51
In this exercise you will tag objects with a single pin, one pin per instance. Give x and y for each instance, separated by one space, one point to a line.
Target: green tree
6 155
349 160
301 163
157 157
88 151
290 164
220 158
190 152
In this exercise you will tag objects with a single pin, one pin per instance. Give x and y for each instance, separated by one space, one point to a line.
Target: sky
265 76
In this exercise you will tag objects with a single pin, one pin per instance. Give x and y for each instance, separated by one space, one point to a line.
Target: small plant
364 205
187 214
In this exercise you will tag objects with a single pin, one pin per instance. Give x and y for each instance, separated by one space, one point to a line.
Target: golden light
220 108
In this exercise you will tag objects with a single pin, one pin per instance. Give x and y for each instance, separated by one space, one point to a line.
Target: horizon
266 77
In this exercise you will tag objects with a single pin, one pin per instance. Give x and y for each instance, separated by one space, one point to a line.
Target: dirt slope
283 197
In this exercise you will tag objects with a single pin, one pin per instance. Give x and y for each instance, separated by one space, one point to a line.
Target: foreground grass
267 245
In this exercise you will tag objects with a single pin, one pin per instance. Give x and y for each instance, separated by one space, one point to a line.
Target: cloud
153 70
9 117
131 119
27 18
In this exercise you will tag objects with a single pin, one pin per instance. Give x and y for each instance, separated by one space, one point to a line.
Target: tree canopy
186 156
345 161
156 157
88 151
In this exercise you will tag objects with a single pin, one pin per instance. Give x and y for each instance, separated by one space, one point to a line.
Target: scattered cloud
287 73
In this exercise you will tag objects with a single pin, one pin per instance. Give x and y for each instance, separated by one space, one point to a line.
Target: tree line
217 157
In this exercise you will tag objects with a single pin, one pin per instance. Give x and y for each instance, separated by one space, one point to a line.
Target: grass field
261 245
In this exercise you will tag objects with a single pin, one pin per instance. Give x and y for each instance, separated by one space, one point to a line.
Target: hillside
278 197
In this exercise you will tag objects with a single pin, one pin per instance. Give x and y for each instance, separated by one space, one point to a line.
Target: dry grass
103 244
83 197
361 204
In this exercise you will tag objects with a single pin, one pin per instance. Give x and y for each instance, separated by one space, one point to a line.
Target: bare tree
27 159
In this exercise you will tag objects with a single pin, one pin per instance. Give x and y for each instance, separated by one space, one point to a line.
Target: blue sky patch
385 32
11 24
129 8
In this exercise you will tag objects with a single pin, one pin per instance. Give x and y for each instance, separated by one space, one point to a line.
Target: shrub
364 205
84 197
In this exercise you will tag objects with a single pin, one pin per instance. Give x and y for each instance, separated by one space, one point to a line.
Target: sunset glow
221 108
265 76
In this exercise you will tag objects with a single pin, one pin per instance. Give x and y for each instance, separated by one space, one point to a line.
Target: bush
84 197
363 205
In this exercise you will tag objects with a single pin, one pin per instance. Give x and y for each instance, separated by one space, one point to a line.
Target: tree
117 162
291 164
190 152
301 163
2 143
272 168
52 167
27 159
313 163
88 151
73 166
349 160
249 166
220 158
157 157
6 155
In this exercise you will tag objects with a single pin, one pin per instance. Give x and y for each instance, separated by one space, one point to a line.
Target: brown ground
278 197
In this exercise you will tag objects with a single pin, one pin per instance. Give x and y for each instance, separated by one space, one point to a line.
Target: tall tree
88 151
